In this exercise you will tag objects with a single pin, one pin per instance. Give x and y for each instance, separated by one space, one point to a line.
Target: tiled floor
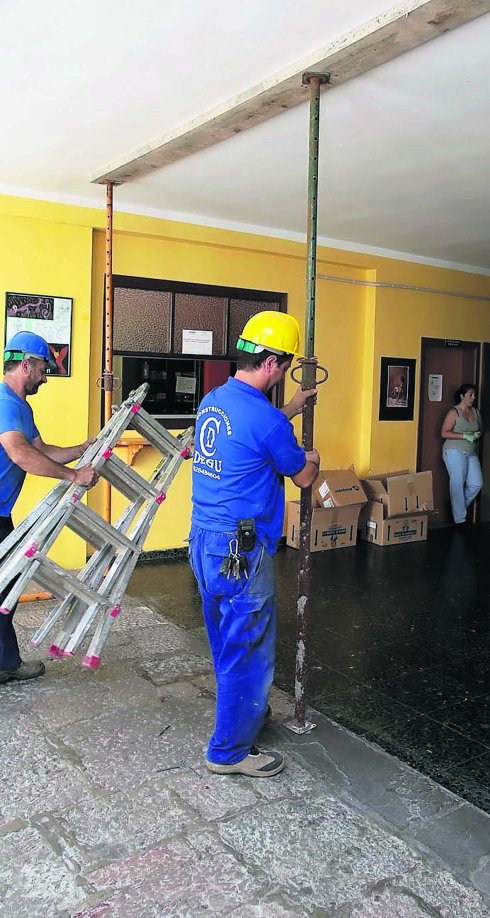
399 645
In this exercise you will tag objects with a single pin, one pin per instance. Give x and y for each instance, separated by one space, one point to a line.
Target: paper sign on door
434 389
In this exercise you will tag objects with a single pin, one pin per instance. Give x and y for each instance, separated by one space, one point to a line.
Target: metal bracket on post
308 379
310 75
309 366
108 382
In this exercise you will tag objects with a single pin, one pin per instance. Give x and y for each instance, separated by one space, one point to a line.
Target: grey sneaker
257 764
25 671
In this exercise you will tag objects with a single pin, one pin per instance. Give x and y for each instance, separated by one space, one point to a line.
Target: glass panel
200 313
142 320
240 313
175 384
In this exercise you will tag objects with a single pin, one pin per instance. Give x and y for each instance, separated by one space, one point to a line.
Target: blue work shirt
243 448
15 414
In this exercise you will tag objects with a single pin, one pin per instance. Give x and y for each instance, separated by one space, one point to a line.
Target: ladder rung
126 480
156 435
60 582
90 526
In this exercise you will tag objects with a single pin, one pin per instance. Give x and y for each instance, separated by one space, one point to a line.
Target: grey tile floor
399 645
107 809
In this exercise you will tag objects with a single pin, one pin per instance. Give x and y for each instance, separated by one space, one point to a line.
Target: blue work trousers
465 480
9 648
240 618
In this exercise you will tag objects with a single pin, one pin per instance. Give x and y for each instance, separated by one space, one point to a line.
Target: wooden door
455 362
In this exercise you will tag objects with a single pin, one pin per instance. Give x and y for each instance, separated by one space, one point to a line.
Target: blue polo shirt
243 447
15 414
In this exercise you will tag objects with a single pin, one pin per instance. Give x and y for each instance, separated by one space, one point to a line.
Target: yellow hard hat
271 331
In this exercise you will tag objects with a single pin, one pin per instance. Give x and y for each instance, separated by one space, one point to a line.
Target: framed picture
48 316
397 389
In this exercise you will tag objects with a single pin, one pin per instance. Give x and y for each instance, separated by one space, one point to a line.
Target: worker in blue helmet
26 360
27 344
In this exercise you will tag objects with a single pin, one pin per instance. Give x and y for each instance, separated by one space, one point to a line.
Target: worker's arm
33 460
298 401
61 454
309 472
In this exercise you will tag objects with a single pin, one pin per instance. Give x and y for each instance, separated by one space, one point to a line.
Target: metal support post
108 376
308 381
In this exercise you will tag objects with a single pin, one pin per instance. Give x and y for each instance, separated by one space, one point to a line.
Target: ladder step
90 526
157 435
126 480
60 582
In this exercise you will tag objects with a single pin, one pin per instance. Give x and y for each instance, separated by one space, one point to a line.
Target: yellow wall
57 249
402 318
54 259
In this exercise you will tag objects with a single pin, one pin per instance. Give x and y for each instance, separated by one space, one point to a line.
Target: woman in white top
461 429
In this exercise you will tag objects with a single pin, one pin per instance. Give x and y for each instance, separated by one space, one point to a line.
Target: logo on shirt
207 437
205 461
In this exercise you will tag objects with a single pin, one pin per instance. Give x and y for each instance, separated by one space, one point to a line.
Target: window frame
173 287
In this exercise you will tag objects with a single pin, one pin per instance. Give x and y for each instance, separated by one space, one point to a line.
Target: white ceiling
404 149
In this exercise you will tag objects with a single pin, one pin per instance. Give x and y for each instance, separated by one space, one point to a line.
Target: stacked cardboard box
397 509
337 500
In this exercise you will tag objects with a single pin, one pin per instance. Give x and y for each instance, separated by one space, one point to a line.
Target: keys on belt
234 563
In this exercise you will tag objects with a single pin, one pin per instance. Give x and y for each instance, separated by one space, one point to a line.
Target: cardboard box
338 488
339 496
398 508
334 527
392 530
401 492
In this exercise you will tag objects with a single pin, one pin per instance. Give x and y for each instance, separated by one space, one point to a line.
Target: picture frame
397 388
48 316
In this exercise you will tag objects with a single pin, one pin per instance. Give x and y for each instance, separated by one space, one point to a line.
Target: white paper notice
434 389
185 384
197 341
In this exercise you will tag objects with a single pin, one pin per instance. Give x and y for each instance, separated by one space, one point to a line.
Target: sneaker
257 764
25 671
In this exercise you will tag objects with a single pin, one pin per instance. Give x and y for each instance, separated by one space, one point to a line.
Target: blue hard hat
27 344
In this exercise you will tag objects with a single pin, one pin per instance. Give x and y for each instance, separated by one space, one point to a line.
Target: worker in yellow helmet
244 446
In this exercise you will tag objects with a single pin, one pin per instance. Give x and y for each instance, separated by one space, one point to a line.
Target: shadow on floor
399 645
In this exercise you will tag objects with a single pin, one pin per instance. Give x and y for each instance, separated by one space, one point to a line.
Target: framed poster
48 316
397 389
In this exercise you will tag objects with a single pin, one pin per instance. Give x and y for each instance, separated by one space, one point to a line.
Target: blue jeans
9 648
465 480
240 618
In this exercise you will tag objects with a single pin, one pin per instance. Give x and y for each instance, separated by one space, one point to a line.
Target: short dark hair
9 365
247 361
461 392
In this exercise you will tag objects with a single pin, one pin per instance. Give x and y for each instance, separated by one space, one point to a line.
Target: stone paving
107 809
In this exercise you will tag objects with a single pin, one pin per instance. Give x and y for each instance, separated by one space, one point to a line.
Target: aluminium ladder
94 595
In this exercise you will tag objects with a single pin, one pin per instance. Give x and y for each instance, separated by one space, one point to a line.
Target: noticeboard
48 316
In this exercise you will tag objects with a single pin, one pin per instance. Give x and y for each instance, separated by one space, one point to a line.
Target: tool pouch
246 535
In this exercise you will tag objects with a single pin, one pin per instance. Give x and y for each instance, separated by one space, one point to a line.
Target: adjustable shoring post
107 383
308 381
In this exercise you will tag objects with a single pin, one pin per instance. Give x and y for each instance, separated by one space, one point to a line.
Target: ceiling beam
402 28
